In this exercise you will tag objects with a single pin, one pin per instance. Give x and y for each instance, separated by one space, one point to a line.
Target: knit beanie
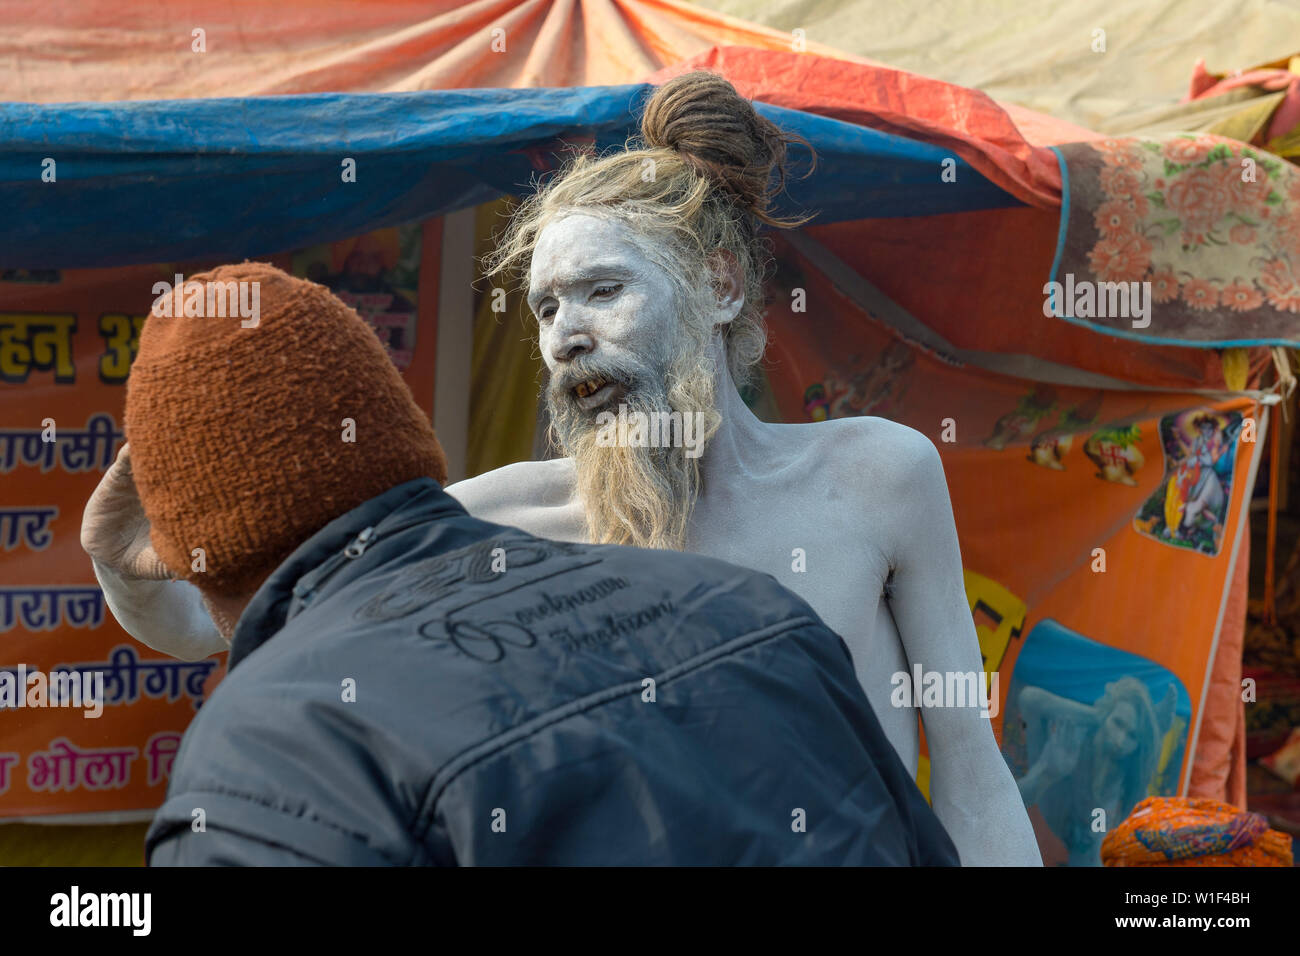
239 440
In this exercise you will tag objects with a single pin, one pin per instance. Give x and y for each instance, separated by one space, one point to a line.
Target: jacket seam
289 572
480 752
266 803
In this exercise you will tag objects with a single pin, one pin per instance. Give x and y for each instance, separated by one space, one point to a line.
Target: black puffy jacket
413 686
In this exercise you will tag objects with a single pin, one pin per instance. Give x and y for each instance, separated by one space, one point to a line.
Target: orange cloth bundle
1190 831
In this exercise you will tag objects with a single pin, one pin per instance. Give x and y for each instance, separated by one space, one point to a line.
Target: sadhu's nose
569 346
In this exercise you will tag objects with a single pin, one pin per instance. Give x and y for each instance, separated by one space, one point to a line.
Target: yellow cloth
506 370
23 844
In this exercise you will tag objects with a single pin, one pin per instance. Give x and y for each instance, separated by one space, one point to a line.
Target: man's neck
742 446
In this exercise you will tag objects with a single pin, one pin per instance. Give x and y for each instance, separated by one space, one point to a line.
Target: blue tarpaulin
166 181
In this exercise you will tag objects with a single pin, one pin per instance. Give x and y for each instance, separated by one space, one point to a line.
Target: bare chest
829 557
825 547
823 554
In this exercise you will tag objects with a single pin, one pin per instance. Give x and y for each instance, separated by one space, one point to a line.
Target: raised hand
114 529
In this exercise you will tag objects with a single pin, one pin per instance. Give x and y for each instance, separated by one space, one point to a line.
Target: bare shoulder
503 494
540 482
868 447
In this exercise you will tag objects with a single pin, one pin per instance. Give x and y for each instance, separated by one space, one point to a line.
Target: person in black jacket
409 685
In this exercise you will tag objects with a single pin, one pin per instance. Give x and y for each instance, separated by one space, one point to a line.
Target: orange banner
1098 530
67 340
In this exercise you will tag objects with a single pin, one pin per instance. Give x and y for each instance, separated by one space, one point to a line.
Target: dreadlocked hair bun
701 116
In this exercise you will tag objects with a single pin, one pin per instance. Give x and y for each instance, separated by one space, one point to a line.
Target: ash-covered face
607 316
615 334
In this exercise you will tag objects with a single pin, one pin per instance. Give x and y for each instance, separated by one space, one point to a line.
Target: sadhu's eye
546 312
605 291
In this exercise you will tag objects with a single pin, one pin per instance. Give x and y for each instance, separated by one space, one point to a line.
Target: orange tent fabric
102 51
95 50
106 50
968 122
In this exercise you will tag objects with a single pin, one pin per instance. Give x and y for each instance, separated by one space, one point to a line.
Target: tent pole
451 386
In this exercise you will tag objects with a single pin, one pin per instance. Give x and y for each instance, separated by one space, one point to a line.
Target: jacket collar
297 577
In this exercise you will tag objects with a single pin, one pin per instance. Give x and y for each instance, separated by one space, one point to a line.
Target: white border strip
1243 518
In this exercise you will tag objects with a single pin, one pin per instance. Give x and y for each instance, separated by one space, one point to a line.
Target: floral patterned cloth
1211 223
1194 831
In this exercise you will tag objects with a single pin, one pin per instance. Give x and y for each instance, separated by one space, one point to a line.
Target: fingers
118 482
114 529
119 478
145 563
105 530
96 513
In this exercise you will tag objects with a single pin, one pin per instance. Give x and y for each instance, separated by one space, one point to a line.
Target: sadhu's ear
729 285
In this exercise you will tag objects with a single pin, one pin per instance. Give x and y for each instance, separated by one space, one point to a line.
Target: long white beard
633 494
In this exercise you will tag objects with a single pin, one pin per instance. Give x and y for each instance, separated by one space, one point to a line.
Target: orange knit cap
238 439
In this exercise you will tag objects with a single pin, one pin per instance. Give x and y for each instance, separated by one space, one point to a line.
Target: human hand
114 529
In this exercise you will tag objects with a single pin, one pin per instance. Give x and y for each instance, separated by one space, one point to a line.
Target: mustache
627 372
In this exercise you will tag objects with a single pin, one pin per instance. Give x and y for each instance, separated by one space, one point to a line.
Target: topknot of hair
702 117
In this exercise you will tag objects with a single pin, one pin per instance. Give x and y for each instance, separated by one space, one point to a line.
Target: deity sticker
1049 447
815 403
874 388
1114 450
1020 422
1189 509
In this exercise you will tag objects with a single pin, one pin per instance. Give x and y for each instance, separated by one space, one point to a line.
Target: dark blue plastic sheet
166 181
